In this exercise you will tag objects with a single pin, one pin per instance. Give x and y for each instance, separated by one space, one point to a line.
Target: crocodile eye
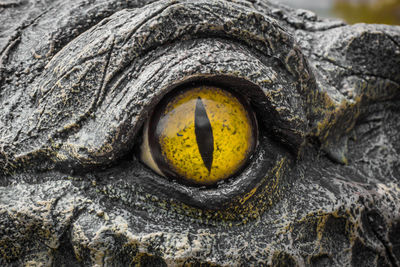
199 135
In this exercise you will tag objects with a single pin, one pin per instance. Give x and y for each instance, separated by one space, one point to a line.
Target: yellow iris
202 135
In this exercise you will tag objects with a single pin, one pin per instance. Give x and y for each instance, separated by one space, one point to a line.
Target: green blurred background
353 11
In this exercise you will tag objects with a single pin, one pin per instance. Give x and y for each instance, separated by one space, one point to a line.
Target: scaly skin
78 79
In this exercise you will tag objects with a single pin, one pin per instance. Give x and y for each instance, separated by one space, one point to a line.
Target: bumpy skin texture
78 79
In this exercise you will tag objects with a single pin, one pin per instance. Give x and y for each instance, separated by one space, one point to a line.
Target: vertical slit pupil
204 134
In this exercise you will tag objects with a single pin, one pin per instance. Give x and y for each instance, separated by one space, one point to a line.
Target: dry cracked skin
79 79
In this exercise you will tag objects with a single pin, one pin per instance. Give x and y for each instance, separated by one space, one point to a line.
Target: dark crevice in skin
101 93
4 54
150 261
393 40
11 4
64 254
66 241
352 72
54 206
372 217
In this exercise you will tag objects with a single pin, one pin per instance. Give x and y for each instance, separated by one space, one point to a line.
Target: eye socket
199 135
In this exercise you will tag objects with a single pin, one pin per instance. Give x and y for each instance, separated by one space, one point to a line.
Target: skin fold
80 79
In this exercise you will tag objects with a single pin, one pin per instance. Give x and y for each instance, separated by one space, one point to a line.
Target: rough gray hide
79 78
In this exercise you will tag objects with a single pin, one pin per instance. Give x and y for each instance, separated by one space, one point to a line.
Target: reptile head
79 80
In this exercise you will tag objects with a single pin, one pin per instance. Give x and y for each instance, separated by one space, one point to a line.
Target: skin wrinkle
73 192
